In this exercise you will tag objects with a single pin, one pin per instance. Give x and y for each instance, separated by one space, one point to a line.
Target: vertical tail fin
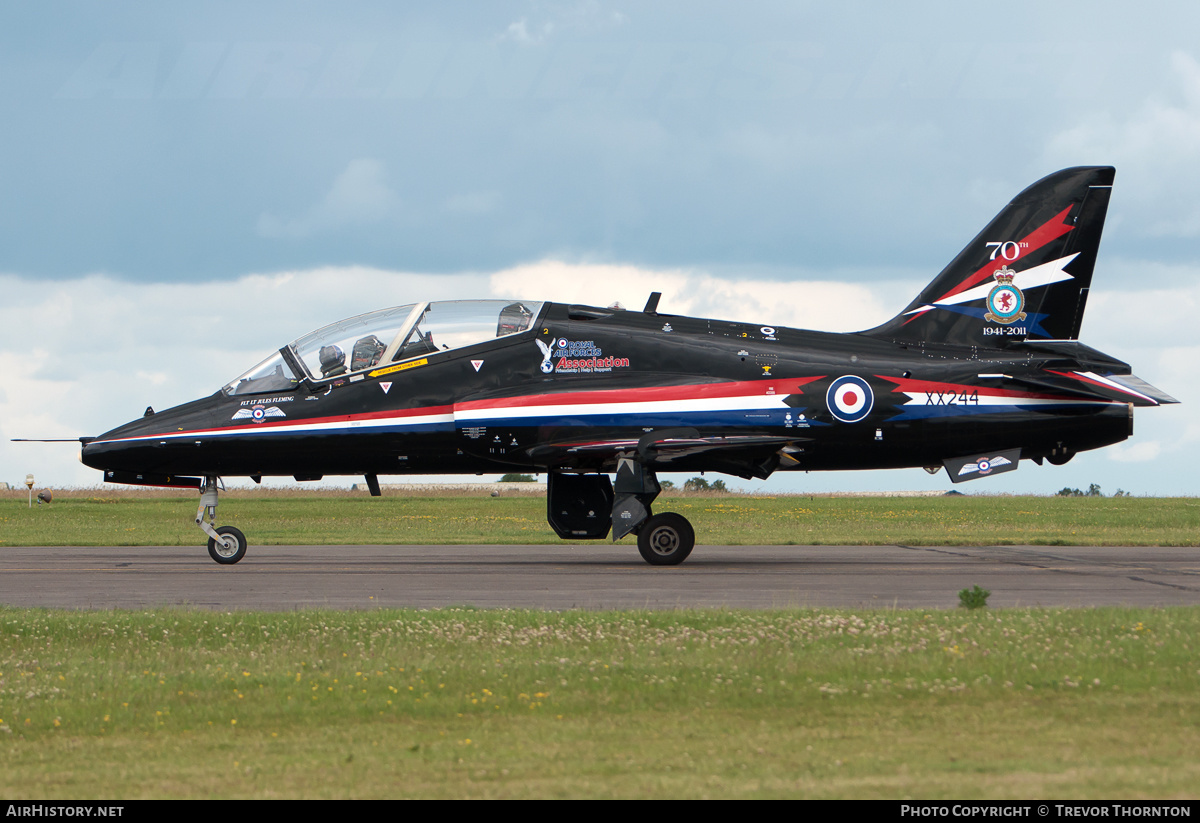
1024 276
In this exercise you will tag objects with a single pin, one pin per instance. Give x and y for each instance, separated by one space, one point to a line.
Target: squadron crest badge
258 413
1005 301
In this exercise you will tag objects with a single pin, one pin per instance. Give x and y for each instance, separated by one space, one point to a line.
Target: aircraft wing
672 450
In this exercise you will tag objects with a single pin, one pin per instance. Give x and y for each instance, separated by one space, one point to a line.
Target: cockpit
385 337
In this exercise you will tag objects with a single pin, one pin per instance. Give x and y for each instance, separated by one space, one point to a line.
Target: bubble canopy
383 337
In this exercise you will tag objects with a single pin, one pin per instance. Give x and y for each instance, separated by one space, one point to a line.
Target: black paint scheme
981 370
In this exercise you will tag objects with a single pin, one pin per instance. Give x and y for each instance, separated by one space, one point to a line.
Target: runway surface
599 576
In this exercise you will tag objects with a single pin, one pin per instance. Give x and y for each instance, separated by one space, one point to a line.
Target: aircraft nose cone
90 454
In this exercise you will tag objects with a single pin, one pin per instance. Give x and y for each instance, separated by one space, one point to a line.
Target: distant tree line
695 484
699 484
1092 491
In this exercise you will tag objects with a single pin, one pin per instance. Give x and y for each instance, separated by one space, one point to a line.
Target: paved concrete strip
598 576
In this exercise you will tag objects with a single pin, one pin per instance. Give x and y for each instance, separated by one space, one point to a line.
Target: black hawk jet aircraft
981 370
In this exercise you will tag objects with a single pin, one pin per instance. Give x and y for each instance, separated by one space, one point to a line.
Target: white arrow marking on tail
1042 275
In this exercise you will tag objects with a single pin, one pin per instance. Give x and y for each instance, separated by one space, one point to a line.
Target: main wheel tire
666 539
228 555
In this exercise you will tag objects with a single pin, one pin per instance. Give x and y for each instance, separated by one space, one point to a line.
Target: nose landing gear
229 547
226 545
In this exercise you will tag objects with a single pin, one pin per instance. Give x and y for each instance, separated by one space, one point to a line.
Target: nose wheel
666 539
229 548
226 545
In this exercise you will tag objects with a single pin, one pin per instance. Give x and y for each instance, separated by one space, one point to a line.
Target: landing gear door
579 506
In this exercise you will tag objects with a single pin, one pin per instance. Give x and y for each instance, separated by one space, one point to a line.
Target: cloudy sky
186 187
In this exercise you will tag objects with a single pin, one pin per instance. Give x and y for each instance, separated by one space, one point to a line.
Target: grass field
106 517
1090 703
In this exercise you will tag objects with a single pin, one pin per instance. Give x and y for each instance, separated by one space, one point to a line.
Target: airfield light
29 485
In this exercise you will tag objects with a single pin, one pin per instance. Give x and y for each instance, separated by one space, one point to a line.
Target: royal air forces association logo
547 352
1005 301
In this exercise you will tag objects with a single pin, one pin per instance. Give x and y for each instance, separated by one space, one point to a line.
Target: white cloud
813 304
475 202
520 33
1156 148
358 196
1135 452
1140 317
154 378
1175 367
588 17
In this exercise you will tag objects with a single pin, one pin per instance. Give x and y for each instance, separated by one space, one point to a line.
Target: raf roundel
849 399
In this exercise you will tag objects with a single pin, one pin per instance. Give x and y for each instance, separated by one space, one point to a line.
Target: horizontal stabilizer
1137 384
1086 385
1123 388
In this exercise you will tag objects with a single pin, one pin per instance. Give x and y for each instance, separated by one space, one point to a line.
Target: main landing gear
666 539
663 539
586 506
226 545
